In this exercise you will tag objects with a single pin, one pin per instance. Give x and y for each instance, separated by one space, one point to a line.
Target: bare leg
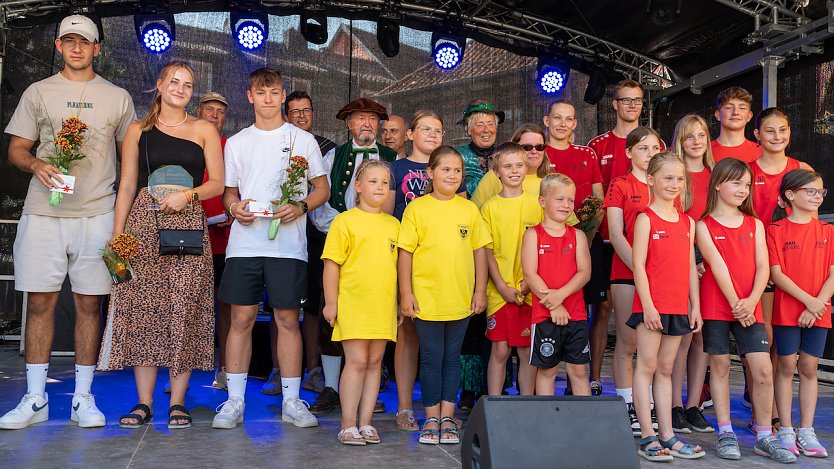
647 362
696 370
662 384
87 328
273 340
767 313
808 389
40 326
353 379
289 342
370 387
224 323
145 381
623 296
679 370
310 332
239 342
546 381
405 363
783 388
579 377
719 385
497 367
761 386
179 385
526 372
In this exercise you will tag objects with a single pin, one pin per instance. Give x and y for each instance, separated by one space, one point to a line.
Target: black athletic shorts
245 279
552 344
673 324
602 255
749 339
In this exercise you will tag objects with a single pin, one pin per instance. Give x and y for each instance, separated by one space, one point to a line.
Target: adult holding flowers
165 316
88 117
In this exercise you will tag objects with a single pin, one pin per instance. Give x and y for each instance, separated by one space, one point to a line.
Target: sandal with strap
687 451
654 453
369 434
173 420
140 420
406 422
350 436
449 435
430 436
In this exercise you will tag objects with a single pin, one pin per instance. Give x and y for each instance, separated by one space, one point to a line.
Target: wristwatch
303 206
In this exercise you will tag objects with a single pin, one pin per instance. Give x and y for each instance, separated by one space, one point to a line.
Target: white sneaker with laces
85 412
296 412
230 413
33 408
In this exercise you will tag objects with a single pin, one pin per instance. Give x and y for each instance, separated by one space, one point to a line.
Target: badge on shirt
68 187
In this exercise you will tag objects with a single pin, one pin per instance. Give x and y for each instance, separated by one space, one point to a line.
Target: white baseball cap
81 25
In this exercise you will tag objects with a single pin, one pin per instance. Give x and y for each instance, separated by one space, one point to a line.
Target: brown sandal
369 434
351 436
406 422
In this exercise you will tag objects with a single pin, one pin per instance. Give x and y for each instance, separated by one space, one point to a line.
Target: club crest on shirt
463 231
820 244
760 180
392 244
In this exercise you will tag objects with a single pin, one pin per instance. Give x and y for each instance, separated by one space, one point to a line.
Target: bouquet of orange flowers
67 151
589 213
117 255
290 189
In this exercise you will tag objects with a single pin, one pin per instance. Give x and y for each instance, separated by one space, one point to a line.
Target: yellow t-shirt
490 185
507 220
443 235
365 246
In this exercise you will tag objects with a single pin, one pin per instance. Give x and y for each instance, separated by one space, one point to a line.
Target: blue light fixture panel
156 33
249 29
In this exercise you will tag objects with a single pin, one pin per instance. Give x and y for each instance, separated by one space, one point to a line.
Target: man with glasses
393 135
733 110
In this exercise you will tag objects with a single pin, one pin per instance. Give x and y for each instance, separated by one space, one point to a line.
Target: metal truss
771 17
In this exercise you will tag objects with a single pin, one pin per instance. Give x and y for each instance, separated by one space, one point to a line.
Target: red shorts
511 323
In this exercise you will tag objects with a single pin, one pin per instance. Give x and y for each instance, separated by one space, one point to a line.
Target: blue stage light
250 36
250 29
156 32
552 76
447 51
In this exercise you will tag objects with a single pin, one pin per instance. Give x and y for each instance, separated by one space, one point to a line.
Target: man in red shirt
733 110
610 146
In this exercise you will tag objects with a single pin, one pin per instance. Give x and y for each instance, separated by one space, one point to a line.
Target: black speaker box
539 431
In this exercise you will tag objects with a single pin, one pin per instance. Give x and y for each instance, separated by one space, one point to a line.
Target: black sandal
173 419
140 420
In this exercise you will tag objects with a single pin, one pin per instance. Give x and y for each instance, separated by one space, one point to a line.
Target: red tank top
632 196
699 188
737 247
667 264
766 189
557 265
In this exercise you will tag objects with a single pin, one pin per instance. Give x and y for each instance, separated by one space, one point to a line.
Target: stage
263 440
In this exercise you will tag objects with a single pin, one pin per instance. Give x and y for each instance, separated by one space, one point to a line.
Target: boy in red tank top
556 265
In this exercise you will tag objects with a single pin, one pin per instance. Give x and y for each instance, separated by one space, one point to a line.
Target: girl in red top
556 264
663 260
731 235
691 140
802 267
627 196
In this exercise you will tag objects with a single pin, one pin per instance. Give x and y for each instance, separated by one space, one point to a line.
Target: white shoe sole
20 425
291 420
88 423
225 424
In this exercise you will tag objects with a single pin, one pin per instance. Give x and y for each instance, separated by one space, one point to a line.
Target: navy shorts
245 279
791 339
673 324
552 344
749 339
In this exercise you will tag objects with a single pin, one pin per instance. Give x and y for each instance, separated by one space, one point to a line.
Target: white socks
290 388
332 367
625 393
36 378
84 378
236 383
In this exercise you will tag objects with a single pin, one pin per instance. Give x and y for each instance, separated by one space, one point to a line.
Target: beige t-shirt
106 109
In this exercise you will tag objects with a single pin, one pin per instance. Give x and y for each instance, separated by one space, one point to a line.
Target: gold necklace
172 125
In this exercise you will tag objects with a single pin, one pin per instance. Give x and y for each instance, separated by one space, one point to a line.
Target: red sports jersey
218 236
737 247
611 154
631 195
747 151
766 189
699 189
667 264
557 265
580 164
804 253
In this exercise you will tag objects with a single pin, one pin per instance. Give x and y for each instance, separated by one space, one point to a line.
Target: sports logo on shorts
463 231
587 348
525 332
491 322
547 348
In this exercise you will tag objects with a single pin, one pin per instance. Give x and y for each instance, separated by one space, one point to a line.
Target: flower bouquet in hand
68 143
117 255
290 189
589 214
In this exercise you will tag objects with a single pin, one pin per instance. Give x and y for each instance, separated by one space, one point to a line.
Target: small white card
261 209
68 187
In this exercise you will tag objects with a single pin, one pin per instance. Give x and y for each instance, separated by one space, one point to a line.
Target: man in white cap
56 240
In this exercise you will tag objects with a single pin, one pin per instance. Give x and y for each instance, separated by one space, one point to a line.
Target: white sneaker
85 412
296 412
230 413
33 408
220 379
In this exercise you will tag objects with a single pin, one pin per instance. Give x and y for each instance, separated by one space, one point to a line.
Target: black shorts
315 270
673 324
552 344
219 261
245 279
749 339
602 255
770 289
623 281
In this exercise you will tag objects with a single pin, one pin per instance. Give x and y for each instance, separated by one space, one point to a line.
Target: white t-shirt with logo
256 163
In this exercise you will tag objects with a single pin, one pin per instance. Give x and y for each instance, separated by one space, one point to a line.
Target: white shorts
46 249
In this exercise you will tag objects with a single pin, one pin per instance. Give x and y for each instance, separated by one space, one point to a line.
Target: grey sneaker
296 412
809 445
314 381
727 446
772 448
787 438
220 379
272 386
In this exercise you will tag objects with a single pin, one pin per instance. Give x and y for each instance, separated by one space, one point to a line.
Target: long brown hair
166 73
729 169
792 181
434 161
639 134
544 168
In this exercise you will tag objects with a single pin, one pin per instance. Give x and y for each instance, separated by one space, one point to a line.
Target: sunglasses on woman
528 147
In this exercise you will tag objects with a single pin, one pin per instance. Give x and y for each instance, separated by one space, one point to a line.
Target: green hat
481 105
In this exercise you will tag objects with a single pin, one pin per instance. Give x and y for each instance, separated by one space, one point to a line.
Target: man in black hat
362 117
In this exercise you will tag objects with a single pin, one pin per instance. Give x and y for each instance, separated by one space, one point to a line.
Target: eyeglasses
630 101
811 192
539 147
428 132
298 112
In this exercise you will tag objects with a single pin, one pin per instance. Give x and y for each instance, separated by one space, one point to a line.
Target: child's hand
816 306
806 319
744 307
408 305
559 315
827 303
400 318
525 289
479 302
551 298
747 321
695 320
330 311
651 318
509 294
701 269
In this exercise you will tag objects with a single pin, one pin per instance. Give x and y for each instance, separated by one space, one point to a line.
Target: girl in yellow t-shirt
442 272
360 294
